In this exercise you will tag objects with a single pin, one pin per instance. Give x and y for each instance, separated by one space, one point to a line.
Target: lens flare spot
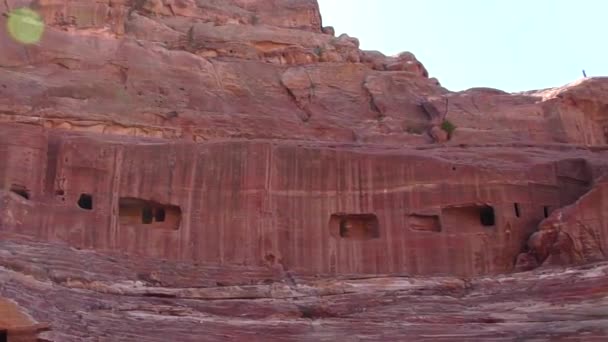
25 26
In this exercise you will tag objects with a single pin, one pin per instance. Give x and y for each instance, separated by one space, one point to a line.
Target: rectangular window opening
135 212
468 218
546 211
355 226
424 223
486 216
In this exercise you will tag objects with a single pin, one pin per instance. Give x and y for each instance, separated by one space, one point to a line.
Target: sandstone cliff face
203 70
447 210
238 158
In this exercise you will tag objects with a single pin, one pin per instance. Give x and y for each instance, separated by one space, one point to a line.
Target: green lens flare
25 26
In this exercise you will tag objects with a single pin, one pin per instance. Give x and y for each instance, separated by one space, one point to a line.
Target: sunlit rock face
230 170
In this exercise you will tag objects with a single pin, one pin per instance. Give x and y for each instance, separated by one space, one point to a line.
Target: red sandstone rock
145 299
573 234
438 134
17 326
229 170
256 193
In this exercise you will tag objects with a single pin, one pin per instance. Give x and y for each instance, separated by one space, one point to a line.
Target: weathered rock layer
87 296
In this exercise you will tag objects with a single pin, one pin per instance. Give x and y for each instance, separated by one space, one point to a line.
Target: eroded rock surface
574 234
231 170
202 70
94 296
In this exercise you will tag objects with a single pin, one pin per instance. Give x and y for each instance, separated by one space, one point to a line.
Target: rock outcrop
574 234
231 170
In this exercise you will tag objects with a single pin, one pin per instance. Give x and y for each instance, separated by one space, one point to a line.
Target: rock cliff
227 170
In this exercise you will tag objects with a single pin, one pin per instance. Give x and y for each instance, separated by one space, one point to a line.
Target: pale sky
513 45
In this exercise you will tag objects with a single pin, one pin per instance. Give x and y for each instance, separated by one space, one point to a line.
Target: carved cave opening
20 190
159 215
517 209
471 217
424 223
85 201
355 226
3 336
147 214
139 212
546 211
486 216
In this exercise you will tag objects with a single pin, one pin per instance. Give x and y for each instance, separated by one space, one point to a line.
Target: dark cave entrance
159 215
85 201
486 216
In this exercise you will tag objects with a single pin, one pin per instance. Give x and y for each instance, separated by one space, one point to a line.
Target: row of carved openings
366 226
